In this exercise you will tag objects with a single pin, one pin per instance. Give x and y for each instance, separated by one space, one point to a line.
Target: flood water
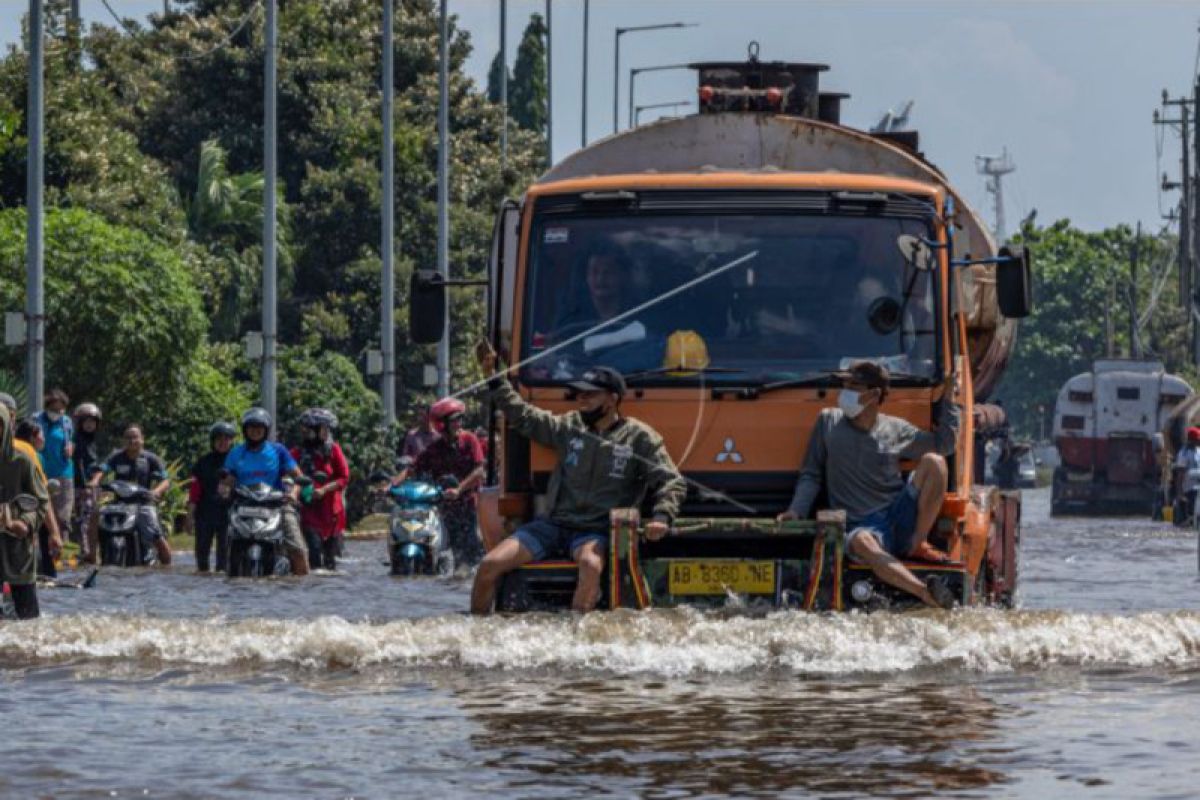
170 684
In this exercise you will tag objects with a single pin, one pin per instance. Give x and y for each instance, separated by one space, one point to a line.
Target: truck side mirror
1014 281
426 307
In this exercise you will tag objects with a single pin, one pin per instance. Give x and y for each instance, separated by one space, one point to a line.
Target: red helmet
1193 434
443 409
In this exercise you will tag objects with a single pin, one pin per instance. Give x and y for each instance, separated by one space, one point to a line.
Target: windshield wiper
813 378
650 373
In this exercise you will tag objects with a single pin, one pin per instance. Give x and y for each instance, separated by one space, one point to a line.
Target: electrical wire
194 56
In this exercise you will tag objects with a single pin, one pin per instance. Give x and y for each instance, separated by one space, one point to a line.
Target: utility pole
1186 203
443 195
549 90
1135 344
995 168
35 279
387 336
504 84
1194 239
269 317
584 88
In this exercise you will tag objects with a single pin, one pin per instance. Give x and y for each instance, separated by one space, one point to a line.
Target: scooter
256 532
120 544
417 542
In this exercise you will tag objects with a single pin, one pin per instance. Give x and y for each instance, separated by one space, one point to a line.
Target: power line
193 56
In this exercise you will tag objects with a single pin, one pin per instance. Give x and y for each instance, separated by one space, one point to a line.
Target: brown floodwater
171 684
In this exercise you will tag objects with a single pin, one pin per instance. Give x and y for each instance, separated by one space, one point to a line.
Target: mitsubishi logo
729 453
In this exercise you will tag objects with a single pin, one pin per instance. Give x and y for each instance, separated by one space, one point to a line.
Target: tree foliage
1082 288
527 93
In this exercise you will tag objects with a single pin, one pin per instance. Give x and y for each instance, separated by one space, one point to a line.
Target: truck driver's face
605 279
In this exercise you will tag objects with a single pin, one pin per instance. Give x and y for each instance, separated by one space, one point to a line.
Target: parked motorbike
256 533
417 542
120 544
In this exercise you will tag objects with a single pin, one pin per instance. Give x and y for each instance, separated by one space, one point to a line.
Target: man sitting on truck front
605 461
857 449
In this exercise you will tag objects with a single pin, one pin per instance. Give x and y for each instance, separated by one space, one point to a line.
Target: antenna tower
995 168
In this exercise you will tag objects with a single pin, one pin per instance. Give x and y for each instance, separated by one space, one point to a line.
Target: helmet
686 352
443 409
221 428
87 410
1193 434
256 416
316 417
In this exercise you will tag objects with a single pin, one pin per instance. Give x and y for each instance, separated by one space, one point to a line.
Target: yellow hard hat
686 352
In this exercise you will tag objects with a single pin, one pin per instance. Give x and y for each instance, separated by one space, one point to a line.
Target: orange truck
728 263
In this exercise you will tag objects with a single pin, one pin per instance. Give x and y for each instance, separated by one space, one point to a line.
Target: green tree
123 319
1082 279
527 92
495 73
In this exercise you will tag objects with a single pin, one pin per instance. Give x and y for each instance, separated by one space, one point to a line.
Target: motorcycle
417 542
256 534
120 543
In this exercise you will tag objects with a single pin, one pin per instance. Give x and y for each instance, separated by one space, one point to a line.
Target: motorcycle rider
85 456
19 475
1188 461
456 452
323 516
259 460
208 511
142 467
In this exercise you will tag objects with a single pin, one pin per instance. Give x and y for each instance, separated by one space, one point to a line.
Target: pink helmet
443 409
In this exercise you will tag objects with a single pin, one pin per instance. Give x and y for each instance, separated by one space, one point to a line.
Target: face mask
54 416
590 418
848 403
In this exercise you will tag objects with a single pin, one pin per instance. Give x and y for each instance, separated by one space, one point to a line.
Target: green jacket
596 472
19 475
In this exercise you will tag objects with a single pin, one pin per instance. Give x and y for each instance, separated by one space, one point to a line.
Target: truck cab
728 264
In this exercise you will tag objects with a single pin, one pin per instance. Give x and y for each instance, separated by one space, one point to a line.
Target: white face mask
848 403
54 416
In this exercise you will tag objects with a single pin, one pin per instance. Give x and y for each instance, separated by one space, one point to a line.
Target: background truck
1105 423
760 246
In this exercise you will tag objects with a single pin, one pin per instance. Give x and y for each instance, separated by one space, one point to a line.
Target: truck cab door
502 275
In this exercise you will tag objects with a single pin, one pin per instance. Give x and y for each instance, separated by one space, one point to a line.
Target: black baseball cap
600 379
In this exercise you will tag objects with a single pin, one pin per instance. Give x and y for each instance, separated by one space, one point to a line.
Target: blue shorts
546 539
892 526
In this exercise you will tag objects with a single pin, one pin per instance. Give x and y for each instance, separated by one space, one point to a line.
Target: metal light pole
387 336
504 83
549 91
617 57
635 71
583 90
35 310
269 318
637 112
443 191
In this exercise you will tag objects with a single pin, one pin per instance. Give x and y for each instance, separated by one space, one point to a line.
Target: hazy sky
1067 87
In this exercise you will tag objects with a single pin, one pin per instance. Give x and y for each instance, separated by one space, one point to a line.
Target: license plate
719 577
255 513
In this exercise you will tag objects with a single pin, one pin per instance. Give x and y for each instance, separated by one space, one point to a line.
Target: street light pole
584 88
443 195
635 71
549 90
387 336
270 321
35 309
504 84
618 33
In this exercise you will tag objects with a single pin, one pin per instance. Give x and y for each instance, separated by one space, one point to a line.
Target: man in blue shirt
56 456
259 460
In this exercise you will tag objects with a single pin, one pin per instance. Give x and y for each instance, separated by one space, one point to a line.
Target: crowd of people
55 457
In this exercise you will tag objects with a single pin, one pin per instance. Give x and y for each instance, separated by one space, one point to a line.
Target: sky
1069 88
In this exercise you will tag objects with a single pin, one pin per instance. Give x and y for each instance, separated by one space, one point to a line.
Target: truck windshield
819 291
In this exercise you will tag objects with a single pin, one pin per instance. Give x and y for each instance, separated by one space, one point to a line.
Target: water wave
672 643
